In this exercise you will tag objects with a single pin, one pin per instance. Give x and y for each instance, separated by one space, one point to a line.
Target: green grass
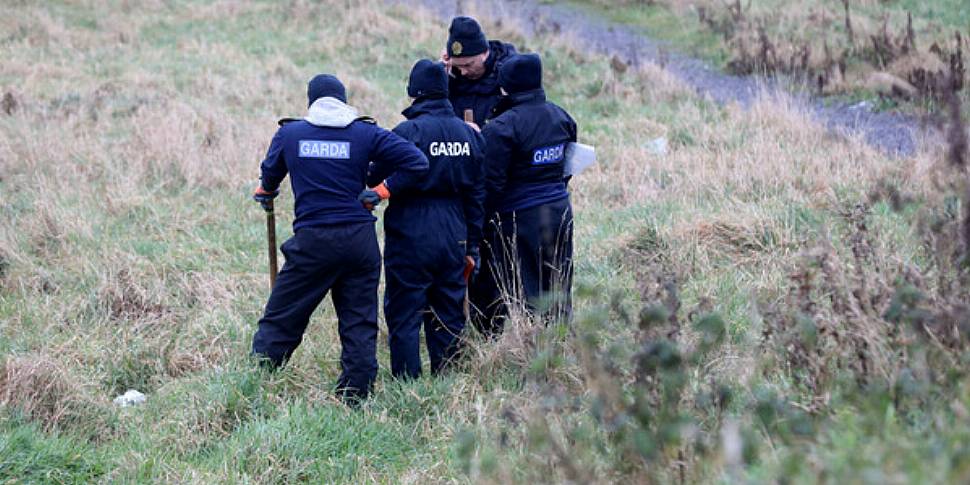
29 455
135 259
681 33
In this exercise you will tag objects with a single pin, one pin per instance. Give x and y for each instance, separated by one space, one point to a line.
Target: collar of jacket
515 99
431 106
490 60
524 97
331 113
487 85
497 51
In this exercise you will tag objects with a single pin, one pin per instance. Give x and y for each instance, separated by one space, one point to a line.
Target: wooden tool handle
469 116
271 243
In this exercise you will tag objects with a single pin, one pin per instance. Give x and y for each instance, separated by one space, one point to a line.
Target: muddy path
893 133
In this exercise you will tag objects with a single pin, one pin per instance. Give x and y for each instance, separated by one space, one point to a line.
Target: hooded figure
529 221
334 246
474 63
433 229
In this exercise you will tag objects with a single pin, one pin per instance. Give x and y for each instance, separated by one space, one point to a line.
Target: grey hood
331 113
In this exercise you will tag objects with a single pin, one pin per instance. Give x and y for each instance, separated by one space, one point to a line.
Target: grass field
767 301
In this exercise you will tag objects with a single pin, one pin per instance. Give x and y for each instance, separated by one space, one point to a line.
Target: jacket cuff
263 185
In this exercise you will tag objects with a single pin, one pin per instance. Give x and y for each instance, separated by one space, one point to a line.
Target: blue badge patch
549 155
325 149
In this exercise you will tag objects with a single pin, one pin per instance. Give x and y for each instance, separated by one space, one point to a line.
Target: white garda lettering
324 149
449 148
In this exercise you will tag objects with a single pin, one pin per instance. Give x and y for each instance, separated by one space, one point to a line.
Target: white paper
130 398
578 158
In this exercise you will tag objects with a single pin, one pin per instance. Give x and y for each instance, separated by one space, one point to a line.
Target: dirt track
892 133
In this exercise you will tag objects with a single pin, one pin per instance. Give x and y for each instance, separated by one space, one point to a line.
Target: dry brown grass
43 389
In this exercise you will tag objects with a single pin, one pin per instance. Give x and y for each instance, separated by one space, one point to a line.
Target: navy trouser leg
543 256
346 259
556 219
446 320
355 301
405 298
300 287
484 293
424 257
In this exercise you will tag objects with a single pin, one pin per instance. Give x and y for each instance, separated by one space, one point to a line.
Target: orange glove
473 263
469 268
265 198
382 191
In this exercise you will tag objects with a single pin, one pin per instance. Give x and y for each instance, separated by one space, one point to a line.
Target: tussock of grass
40 388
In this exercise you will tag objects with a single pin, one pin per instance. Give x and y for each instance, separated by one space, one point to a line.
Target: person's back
327 156
431 228
528 168
530 241
454 175
334 246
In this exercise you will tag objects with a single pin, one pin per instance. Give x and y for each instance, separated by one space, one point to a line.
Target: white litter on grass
130 398
657 146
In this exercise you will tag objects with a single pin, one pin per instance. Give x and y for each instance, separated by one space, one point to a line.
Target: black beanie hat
465 38
428 79
325 85
522 72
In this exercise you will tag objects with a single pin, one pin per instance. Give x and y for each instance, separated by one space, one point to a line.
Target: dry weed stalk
866 316
957 155
915 72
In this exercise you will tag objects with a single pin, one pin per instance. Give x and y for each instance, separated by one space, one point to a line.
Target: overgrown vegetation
765 302
906 52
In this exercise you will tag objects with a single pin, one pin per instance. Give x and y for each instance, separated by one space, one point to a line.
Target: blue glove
369 198
265 198
373 196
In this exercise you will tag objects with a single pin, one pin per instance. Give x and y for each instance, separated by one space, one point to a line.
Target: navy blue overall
427 232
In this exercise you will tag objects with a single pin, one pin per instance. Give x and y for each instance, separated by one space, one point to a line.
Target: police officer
473 63
433 230
526 198
334 246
